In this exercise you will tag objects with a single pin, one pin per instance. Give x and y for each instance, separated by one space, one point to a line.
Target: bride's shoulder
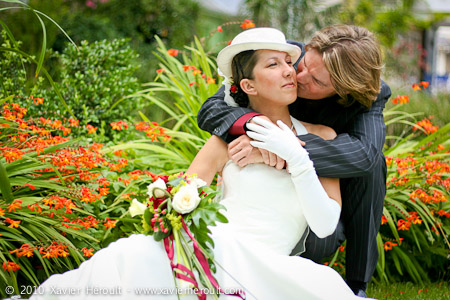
323 131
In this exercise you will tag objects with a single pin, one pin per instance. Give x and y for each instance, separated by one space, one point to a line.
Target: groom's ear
248 87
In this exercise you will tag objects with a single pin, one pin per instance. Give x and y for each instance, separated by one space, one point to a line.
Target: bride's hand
269 158
242 153
281 141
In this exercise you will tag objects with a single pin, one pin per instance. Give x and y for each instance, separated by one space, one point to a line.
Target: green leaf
5 186
44 46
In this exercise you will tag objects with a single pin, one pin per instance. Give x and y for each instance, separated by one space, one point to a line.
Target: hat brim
226 55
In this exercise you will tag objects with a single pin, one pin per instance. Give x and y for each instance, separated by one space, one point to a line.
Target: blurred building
436 42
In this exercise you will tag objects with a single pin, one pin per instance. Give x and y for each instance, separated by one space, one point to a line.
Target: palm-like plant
179 90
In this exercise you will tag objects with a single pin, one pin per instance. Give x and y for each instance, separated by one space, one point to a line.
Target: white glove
321 212
280 141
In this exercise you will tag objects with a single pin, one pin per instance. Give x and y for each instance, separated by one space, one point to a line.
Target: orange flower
124 180
210 80
56 124
414 218
74 123
38 101
87 195
96 147
426 125
425 84
186 67
24 250
247 24
87 252
388 246
116 126
416 87
383 220
388 160
443 213
109 223
219 29
13 223
32 187
11 154
65 130
173 52
91 129
120 153
10 266
54 250
196 72
159 71
341 248
103 191
2 212
402 99
192 83
16 204
34 207
403 225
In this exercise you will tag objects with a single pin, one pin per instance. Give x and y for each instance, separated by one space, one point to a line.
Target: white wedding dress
265 223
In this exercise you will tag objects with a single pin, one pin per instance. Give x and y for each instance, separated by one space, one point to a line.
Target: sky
231 7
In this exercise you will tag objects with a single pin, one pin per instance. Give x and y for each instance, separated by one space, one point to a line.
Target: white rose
137 208
198 182
157 184
186 199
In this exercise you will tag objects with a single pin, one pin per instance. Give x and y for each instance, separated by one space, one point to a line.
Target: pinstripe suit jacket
353 153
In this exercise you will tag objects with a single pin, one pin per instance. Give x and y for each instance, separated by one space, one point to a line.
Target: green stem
180 251
175 282
200 270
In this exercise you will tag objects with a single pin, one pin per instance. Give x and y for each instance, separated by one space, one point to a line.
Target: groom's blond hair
353 58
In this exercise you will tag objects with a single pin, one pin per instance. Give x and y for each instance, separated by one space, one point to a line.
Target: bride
268 209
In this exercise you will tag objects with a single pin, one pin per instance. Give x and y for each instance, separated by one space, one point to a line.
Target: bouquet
178 212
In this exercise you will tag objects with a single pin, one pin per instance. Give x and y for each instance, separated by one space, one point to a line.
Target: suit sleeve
354 153
216 117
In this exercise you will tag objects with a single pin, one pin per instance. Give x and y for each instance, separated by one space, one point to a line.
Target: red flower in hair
233 89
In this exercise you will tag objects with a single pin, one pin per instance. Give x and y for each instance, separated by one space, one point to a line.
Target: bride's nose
288 70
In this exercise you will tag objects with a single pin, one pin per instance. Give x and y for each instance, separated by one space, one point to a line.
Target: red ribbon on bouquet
168 245
203 262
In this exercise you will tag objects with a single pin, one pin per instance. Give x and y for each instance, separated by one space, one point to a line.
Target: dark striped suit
355 156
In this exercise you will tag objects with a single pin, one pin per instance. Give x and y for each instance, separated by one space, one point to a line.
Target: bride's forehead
267 53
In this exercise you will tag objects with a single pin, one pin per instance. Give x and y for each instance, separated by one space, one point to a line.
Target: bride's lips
289 85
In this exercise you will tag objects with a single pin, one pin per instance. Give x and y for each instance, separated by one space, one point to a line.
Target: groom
339 85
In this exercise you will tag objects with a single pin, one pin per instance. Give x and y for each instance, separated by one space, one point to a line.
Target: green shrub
12 70
93 80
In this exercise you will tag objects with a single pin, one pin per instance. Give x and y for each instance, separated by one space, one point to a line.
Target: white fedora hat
255 39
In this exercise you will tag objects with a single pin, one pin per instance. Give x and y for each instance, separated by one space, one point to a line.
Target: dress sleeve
216 117
354 153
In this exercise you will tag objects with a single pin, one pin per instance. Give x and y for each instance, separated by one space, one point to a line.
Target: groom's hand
242 153
270 158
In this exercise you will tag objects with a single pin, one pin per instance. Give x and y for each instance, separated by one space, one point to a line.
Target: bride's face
273 80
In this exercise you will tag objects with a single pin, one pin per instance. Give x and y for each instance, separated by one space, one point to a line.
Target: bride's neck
273 112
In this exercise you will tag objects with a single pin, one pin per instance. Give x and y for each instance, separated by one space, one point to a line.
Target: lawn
410 291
